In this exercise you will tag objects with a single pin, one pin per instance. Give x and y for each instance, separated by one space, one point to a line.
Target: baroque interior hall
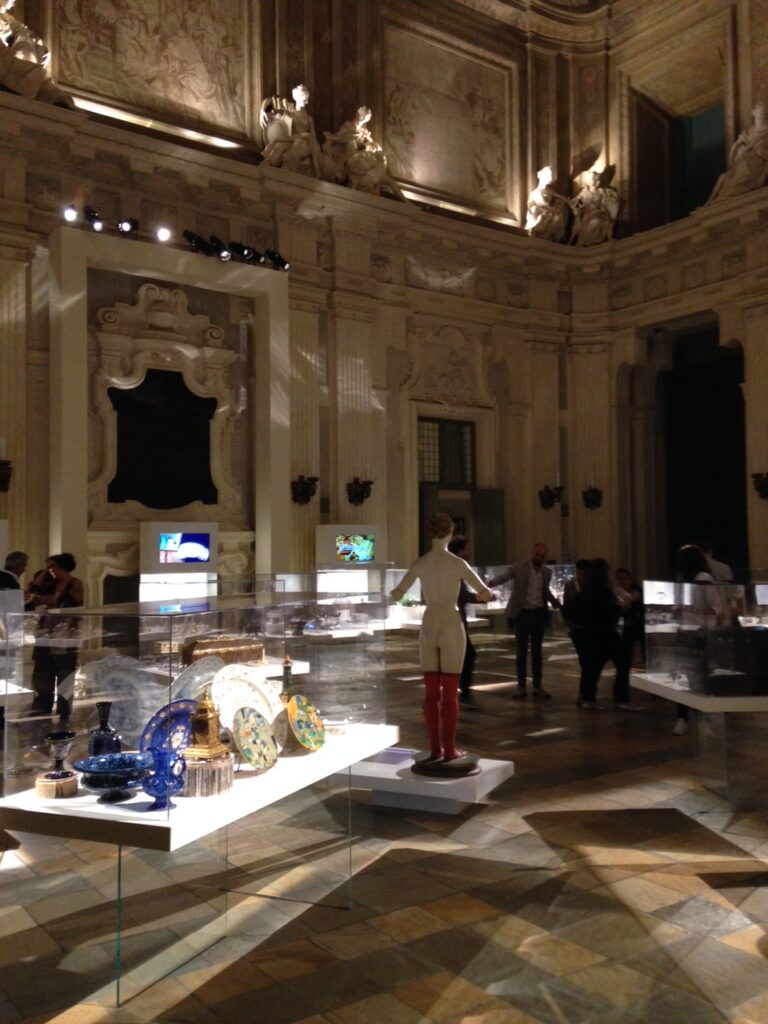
527 244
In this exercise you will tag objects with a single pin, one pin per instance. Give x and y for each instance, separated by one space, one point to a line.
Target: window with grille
446 452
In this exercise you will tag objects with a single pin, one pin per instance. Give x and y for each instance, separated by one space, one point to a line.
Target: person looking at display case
54 661
442 640
459 546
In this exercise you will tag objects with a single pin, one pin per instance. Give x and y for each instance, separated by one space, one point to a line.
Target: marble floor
600 885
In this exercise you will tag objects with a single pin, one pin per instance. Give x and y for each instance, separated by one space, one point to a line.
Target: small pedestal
56 785
209 777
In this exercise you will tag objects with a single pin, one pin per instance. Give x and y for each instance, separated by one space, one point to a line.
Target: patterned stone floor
598 886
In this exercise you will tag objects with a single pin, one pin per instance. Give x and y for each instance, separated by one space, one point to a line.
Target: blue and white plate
192 680
170 728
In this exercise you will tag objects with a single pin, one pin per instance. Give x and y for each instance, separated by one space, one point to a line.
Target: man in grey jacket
527 614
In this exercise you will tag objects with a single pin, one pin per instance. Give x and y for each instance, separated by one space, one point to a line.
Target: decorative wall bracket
303 489
760 480
592 497
550 496
6 472
358 490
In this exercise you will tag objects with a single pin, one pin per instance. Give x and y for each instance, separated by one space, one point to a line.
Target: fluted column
307 378
542 451
14 421
591 390
357 440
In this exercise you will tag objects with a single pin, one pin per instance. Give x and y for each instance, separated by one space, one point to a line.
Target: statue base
442 769
56 785
209 777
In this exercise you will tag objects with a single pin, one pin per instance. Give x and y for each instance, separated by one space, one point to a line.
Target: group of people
53 586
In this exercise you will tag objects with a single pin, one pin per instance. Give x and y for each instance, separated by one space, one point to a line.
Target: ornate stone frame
158 332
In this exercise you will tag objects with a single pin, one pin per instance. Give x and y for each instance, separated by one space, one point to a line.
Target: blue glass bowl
119 764
113 789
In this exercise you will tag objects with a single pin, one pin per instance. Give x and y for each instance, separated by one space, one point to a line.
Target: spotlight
163 234
247 253
199 244
277 260
220 249
94 219
70 214
127 225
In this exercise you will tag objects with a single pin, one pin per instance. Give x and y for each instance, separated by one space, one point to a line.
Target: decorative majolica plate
306 723
253 736
231 690
192 680
170 728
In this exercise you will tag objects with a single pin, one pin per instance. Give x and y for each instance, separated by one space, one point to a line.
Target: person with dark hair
442 638
630 595
14 568
459 546
574 586
55 662
597 611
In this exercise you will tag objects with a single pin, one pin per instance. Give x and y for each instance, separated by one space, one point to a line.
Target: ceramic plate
192 680
306 723
170 728
231 690
254 738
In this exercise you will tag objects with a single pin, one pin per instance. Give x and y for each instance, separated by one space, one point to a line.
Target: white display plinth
392 783
679 691
131 824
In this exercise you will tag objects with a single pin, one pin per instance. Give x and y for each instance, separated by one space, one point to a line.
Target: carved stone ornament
358 490
303 489
158 332
448 367
25 60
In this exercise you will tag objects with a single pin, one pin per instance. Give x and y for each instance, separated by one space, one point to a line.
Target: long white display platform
387 774
679 691
132 824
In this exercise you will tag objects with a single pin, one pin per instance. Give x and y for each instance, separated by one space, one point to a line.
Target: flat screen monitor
173 548
355 547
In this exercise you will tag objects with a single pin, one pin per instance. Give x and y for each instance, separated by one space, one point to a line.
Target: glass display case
157 727
710 638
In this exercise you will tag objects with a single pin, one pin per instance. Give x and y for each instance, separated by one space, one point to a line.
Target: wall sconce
592 497
760 480
303 489
6 472
550 496
358 490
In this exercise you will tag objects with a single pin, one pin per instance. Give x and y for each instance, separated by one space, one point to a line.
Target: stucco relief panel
446 366
447 119
179 58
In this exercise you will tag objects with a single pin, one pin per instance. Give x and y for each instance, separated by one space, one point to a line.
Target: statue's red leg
432 712
450 714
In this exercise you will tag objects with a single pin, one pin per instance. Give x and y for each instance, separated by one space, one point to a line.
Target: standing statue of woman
442 640
289 133
547 210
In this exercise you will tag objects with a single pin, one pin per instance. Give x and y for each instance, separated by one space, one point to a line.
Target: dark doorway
705 448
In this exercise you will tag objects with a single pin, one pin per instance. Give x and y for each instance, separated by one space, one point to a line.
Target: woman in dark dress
54 662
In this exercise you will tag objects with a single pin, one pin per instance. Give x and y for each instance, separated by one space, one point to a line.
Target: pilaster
756 423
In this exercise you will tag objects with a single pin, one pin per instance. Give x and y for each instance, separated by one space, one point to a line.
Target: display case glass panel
131 714
705 637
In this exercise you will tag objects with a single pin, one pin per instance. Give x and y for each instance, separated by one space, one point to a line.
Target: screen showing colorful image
184 547
355 547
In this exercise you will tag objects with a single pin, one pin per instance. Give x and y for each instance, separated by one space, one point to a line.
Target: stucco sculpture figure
547 210
442 640
747 161
351 156
595 210
24 61
289 133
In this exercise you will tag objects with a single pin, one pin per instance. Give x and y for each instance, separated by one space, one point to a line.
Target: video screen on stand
355 547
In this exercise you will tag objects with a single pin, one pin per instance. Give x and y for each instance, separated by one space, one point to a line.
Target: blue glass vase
166 780
104 739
